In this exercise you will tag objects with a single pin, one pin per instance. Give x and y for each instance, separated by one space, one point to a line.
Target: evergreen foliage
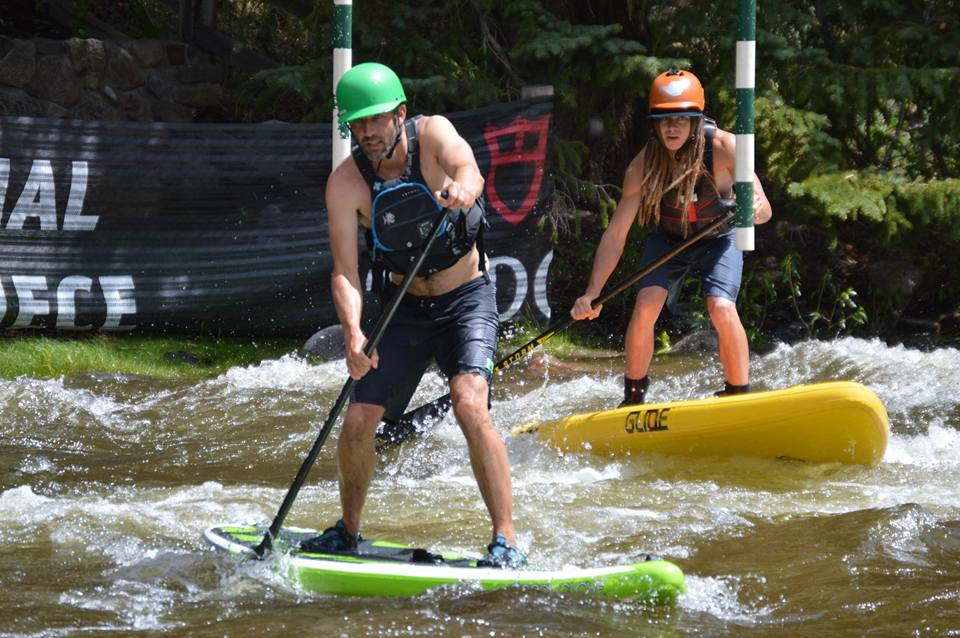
858 134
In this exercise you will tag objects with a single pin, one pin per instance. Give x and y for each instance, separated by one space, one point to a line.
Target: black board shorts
457 329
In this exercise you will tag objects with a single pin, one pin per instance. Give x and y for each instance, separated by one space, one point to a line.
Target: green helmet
367 89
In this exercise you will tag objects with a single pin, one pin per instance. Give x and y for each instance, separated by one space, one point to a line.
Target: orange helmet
676 92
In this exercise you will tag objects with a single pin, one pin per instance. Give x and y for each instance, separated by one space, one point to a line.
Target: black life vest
706 206
393 243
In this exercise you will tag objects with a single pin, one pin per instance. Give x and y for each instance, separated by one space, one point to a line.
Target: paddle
408 195
418 420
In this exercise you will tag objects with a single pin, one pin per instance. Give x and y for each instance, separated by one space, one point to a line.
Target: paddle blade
415 422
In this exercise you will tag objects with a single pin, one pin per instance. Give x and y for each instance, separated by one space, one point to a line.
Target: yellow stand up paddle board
837 421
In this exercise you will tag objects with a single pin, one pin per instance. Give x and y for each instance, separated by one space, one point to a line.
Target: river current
107 483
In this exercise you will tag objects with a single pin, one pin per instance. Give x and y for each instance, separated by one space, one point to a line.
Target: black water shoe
730 389
334 540
634 391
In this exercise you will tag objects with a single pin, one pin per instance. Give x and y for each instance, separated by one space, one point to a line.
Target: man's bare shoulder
347 192
435 128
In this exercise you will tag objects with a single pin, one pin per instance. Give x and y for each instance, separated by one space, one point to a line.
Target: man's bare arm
345 285
455 157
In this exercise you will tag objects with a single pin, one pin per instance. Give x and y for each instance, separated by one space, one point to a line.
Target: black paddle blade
415 422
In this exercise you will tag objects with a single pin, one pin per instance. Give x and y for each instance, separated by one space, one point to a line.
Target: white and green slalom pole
746 72
342 61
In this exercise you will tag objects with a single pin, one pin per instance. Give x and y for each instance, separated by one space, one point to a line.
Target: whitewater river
107 483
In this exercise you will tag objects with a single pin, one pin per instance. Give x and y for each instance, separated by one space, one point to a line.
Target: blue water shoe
503 554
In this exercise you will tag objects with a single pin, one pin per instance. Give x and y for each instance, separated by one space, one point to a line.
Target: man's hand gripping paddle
416 197
419 420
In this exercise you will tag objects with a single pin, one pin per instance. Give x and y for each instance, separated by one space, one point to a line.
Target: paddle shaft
372 341
406 425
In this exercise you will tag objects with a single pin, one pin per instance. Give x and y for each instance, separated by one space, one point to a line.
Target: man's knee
470 395
361 419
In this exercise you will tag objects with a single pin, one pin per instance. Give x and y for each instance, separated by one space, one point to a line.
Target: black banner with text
221 228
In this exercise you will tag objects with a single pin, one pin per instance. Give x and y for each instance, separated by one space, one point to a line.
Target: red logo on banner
519 129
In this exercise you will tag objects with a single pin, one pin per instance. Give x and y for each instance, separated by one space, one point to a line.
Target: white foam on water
36 465
904 378
108 523
149 538
719 597
565 474
289 372
47 407
900 537
938 449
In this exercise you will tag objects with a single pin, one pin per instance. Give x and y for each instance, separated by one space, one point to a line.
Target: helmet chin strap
396 140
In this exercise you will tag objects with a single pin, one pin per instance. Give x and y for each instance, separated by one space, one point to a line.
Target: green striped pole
746 71
342 61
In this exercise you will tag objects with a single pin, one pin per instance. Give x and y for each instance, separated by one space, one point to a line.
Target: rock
149 53
702 340
46 46
176 53
135 106
183 356
541 363
169 112
123 72
325 345
896 278
87 56
94 106
17 103
198 94
18 65
55 81
201 73
161 82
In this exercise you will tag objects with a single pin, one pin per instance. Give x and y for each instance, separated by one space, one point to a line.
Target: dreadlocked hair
661 175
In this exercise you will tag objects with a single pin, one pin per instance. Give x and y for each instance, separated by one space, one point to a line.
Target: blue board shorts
716 261
457 329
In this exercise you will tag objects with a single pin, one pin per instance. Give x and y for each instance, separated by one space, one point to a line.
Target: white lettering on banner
72 218
521 280
30 306
4 178
519 275
116 291
38 200
540 285
66 301
117 305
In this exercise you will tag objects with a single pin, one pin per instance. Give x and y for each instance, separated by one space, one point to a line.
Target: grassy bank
193 357
185 357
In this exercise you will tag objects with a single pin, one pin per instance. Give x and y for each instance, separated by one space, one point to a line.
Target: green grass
163 357
193 357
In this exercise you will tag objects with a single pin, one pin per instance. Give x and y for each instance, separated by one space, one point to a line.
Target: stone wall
131 80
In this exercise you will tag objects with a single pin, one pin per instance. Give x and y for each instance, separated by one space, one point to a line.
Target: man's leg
488 454
639 338
732 338
357 460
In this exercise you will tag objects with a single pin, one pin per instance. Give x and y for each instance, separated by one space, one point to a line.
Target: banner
221 228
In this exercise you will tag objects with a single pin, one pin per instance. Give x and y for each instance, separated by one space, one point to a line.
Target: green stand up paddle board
380 568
